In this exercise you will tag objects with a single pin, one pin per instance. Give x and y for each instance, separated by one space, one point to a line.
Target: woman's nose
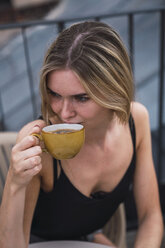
67 109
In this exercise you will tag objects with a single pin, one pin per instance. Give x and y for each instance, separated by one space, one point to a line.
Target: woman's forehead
65 81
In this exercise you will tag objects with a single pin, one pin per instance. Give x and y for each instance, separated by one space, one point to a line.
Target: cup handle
39 136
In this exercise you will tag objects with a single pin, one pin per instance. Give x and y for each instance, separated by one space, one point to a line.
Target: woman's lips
73 122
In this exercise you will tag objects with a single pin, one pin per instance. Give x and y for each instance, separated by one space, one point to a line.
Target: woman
86 78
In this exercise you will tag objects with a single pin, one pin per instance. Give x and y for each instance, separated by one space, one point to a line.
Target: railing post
29 72
60 27
131 38
161 92
97 19
2 125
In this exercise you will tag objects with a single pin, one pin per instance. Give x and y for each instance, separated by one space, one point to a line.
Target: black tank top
65 213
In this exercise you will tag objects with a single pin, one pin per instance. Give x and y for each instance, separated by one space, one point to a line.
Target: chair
115 229
7 140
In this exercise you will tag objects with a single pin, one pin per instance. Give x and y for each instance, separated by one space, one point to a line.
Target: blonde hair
96 54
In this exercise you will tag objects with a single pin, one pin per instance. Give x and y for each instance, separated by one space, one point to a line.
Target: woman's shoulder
139 112
141 119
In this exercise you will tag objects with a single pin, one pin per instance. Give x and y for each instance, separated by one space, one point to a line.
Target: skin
102 167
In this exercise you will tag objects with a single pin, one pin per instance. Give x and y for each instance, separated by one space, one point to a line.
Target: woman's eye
82 98
54 94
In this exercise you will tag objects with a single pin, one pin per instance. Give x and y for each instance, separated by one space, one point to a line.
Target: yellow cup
62 141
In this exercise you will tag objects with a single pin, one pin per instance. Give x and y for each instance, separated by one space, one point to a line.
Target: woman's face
70 102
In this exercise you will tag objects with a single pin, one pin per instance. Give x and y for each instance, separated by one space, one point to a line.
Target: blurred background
27 27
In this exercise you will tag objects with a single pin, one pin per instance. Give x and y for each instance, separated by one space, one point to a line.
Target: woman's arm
146 192
23 175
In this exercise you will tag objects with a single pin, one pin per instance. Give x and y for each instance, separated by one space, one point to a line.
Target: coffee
62 131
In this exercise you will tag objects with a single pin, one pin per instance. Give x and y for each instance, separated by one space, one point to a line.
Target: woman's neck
98 134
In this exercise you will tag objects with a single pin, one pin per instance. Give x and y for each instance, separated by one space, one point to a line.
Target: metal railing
61 23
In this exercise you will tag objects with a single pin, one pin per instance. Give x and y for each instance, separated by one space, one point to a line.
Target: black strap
55 171
133 131
55 165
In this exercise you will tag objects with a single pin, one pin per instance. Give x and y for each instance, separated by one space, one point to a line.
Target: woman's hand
25 160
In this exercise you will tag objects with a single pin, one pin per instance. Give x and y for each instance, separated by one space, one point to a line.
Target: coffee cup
62 141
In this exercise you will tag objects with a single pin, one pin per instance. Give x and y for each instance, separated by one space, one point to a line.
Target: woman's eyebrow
75 95
52 91
80 94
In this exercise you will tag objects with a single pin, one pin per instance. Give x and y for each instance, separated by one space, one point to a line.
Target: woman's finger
25 143
33 171
30 152
35 129
27 164
29 140
31 162
18 156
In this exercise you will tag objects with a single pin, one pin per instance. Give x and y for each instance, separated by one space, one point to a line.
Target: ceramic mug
62 141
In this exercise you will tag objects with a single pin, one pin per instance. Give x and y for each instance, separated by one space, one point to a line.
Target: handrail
28 24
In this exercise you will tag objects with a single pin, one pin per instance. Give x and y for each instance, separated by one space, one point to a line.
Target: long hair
96 54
